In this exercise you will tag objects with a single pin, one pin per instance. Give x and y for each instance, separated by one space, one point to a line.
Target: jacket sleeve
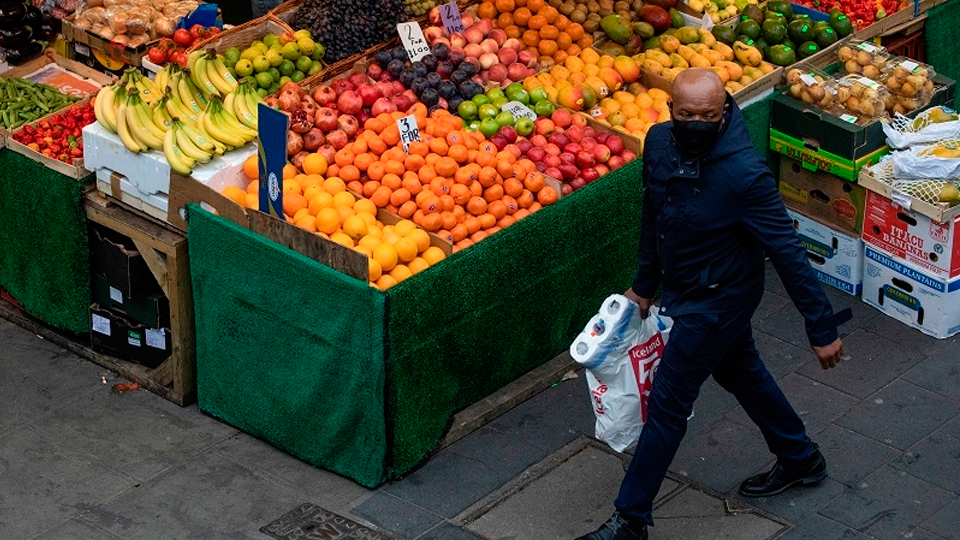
647 278
765 218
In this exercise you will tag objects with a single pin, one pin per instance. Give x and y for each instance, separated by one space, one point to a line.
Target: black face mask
696 136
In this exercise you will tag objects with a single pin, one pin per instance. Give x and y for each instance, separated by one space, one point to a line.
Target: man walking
710 211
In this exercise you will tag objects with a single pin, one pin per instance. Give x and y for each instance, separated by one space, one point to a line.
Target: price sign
272 129
848 118
450 15
409 131
411 36
909 65
808 79
519 110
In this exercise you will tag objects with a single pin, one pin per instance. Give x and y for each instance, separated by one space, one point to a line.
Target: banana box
912 236
837 258
911 295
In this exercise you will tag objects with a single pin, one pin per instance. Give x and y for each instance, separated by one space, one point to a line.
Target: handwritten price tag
409 132
450 15
519 110
411 36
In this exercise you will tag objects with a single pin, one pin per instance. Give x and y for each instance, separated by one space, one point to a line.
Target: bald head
698 94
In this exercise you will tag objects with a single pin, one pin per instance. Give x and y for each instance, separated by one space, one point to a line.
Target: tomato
157 55
197 31
182 37
213 30
179 57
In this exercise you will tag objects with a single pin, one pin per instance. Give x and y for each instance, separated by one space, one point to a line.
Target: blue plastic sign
450 15
272 126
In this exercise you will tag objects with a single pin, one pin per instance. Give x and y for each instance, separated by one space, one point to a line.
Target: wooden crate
165 251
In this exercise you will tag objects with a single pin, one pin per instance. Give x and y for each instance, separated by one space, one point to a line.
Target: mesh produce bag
933 191
935 124
929 162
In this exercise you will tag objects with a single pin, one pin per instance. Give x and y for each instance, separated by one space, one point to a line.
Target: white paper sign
100 324
156 338
116 295
909 65
519 110
848 118
413 41
869 47
808 79
409 131
450 15
901 199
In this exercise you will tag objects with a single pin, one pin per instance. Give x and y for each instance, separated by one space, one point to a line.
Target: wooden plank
156 262
183 336
129 224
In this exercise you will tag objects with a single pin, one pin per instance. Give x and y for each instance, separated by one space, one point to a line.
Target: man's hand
829 355
644 303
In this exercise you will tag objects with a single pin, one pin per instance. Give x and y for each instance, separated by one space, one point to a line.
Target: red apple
509 133
568 172
615 162
552 149
579 120
588 143
602 137
615 144
512 148
536 153
601 152
349 102
337 139
585 159
553 172
589 174
538 140
382 105
348 124
568 158
562 117
368 94
499 141
566 189
552 160
325 119
559 138
524 145
572 148
589 132
541 166
577 183
601 168
628 156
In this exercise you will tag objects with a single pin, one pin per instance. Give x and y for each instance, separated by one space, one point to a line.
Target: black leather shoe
618 528
782 477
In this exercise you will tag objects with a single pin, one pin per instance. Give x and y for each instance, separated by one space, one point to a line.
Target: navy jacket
706 224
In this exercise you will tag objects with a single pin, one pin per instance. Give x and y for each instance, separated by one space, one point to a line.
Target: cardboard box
152 310
148 173
878 180
822 140
115 257
836 257
912 236
112 53
74 170
910 295
113 334
73 79
822 196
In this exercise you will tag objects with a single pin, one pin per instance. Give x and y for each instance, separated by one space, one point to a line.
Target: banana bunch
135 124
149 91
184 146
243 102
107 104
210 74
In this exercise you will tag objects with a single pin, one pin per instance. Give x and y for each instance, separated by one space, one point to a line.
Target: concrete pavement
80 462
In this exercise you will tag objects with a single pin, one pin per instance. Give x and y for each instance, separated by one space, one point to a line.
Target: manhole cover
311 522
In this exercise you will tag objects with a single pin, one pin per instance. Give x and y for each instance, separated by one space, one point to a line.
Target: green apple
480 99
538 94
524 126
488 110
468 110
505 119
544 108
494 93
489 127
500 102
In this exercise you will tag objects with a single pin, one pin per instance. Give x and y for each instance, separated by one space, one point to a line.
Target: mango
725 50
669 44
713 56
687 35
611 77
732 68
571 97
679 61
748 55
699 47
686 52
598 85
653 67
733 87
706 37
722 73
617 28
698 60
628 69
660 57
671 73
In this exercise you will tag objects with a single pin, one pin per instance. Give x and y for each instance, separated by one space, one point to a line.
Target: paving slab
207 497
798 504
76 530
851 457
711 406
46 482
888 504
397 515
143 433
770 302
695 514
817 527
946 522
900 414
780 357
446 531
939 373
875 362
318 486
786 324
952 427
722 457
466 471
38 376
935 459
907 336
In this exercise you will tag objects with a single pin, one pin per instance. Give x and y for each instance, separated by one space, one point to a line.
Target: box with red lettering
931 246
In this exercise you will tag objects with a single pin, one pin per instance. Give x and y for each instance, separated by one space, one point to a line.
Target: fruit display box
119 54
910 295
112 333
892 21
73 78
152 310
147 174
828 198
879 181
836 257
817 138
75 170
388 369
116 257
913 237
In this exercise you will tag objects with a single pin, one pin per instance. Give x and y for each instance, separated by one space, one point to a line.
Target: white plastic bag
621 352
930 126
923 162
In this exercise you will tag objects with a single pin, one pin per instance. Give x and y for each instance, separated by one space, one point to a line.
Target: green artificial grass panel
288 349
468 326
940 32
44 258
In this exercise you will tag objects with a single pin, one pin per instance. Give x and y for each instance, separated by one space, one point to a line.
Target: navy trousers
700 345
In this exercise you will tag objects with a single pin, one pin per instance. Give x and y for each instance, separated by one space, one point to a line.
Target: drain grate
311 522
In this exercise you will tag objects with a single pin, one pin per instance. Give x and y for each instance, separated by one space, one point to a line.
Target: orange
253 186
420 238
476 188
458 153
549 32
386 255
533 181
289 171
429 203
251 167
440 186
487 10
328 221
407 209
449 220
418 148
535 206
399 197
439 146
505 169
513 31
291 186
381 197
376 145
400 272
418 265
488 176
487 220
344 157
505 5
472 224
549 13
486 158
535 5
376 170
375 270
355 227
350 173
306 222
413 162
433 255
522 213
530 38
512 187
365 205
391 180
344 198
458 232
478 236
521 16
312 191
395 166
391 135
369 188
564 41
427 173
334 185
411 182
344 212
355 186
359 146
446 166
547 196
477 205
385 282
432 222
460 193
407 249
319 201
537 22
526 199
497 208
506 221
373 125
236 195
548 47
512 205
363 161
504 20
574 30
463 244
294 202
493 193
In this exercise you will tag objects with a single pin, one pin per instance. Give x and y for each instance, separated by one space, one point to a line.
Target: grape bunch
351 27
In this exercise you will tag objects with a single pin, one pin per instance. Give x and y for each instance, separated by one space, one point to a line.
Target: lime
318 52
274 73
